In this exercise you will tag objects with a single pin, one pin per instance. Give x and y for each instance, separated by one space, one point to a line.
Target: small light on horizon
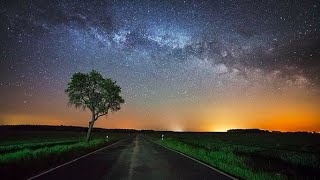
221 129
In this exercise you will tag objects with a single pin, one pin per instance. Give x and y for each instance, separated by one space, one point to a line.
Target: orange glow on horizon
293 114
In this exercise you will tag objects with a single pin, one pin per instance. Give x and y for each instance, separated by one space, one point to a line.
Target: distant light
222 129
177 128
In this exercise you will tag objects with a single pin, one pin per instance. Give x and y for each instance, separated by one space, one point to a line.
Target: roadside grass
12 148
300 158
30 155
27 162
224 159
252 155
32 137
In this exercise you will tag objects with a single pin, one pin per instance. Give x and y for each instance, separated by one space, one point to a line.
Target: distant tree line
266 131
4 128
247 131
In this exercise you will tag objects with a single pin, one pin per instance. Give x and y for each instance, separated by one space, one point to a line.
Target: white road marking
212 168
133 162
45 172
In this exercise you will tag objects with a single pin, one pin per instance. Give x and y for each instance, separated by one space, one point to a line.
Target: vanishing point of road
133 158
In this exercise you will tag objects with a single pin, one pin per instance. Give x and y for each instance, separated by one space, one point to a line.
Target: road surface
133 158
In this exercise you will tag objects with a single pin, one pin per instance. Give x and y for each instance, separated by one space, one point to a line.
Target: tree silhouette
93 91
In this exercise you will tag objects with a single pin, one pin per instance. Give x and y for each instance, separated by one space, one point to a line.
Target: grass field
26 153
253 155
243 155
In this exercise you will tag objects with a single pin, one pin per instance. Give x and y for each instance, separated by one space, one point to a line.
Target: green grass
30 137
251 156
302 158
32 156
224 160
12 148
48 152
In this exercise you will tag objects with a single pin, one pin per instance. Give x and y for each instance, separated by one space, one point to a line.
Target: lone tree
93 91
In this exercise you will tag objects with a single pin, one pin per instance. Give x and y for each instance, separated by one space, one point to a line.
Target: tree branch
101 115
106 112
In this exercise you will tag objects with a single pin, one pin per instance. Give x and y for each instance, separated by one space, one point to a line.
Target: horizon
181 65
163 130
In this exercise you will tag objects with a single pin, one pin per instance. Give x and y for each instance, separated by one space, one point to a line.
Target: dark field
27 153
252 155
24 153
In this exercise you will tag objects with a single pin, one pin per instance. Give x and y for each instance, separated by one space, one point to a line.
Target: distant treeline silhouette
255 130
247 131
4 128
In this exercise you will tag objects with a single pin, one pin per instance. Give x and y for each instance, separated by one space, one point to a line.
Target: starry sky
183 65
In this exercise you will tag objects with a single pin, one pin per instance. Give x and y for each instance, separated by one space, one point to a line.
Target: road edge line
196 160
69 162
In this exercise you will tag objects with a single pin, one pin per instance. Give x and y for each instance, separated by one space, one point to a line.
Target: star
159 51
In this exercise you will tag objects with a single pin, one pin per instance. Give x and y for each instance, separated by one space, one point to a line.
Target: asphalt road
134 158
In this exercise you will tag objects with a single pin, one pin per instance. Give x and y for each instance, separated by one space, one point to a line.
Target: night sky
182 65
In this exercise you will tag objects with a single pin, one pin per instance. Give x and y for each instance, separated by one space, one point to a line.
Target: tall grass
300 158
46 152
224 160
25 162
12 148
28 137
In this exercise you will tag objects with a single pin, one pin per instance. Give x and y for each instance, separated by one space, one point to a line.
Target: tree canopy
94 92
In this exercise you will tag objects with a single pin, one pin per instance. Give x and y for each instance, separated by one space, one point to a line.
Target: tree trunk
89 130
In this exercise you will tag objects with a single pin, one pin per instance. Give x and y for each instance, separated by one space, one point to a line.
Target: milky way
160 52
